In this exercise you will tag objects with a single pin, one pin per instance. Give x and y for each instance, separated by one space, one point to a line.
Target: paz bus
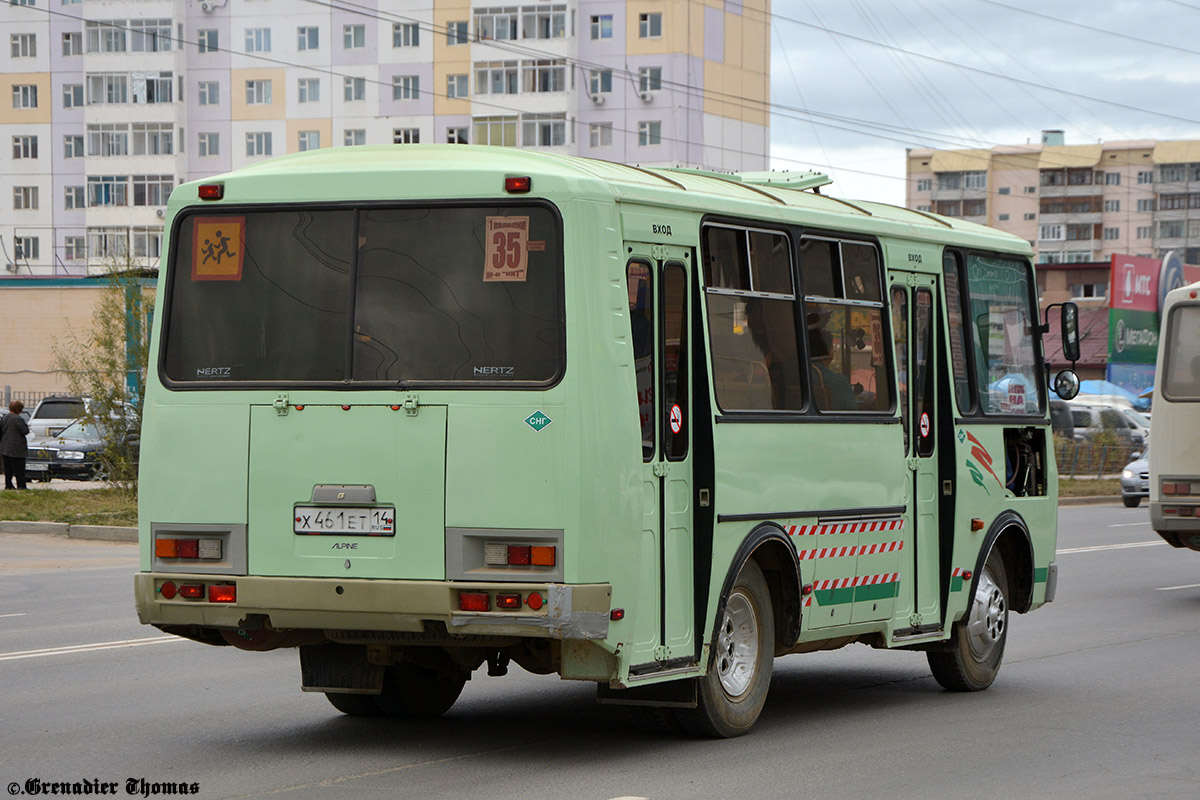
1175 457
420 409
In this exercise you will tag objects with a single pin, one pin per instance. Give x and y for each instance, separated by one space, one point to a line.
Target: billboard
1139 286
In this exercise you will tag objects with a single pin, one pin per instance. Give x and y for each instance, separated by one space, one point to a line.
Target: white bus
1175 457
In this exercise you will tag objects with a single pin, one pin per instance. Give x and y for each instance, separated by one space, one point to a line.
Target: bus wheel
356 705
977 643
415 692
731 696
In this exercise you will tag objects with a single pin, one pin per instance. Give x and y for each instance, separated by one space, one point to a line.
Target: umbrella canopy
1110 389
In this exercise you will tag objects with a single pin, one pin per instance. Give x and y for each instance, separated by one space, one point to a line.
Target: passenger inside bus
831 389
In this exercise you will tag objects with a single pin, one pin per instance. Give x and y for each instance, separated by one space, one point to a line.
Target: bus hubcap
737 645
986 625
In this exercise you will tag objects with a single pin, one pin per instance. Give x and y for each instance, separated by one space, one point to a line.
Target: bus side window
639 280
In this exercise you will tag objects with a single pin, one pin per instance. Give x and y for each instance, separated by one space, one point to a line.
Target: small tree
107 364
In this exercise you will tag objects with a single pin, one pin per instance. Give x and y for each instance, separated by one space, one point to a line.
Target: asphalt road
1098 698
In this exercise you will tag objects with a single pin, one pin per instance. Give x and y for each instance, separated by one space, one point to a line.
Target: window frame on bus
355 207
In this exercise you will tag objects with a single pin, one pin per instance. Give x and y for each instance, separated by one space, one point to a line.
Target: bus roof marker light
212 191
515 185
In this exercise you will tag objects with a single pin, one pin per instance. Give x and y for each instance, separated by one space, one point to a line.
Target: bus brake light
508 601
222 593
518 185
474 601
192 591
212 191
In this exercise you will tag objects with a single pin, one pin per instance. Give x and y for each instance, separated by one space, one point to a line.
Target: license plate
1145 486
36 467
344 520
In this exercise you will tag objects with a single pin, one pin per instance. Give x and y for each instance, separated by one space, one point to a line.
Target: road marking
1173 588
1130 524
630 797
1099 547
87 648
5 616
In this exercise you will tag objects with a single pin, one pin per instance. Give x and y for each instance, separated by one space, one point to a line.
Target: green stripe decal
956 583
1039 574
879 591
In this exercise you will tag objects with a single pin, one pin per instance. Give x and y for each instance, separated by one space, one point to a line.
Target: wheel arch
769 547
1009 535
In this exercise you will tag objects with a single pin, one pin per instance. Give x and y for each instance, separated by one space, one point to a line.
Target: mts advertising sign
1133 318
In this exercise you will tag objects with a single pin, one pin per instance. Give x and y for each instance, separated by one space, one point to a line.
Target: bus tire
411 691
731 696
976 643
356 705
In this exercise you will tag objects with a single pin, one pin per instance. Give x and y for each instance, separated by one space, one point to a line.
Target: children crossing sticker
217 245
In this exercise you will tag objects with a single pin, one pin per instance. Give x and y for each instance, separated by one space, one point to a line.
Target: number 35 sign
507 254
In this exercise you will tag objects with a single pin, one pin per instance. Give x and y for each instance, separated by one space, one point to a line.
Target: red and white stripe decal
844 583
838 552
845 527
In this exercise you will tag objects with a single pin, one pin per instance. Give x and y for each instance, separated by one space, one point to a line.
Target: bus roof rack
782 180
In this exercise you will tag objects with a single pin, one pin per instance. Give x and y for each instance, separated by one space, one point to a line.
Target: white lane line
1097 548
630 797
87 648
1173 588
1130 524
5 616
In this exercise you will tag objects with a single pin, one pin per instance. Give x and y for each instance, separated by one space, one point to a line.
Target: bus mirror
1070 335
1066 384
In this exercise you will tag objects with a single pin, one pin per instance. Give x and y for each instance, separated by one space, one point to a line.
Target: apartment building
1074 203
115 102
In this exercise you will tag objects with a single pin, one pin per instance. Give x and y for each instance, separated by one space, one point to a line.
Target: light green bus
421 409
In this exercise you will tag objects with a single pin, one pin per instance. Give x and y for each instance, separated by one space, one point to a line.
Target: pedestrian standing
13 447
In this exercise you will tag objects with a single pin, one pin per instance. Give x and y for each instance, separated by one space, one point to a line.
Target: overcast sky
855 82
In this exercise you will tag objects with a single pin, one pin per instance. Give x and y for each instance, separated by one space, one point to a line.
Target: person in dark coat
13 430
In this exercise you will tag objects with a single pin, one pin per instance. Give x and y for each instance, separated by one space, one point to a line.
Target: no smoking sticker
924 424
676 419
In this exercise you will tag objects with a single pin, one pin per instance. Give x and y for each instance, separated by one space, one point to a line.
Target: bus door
658 280
914 327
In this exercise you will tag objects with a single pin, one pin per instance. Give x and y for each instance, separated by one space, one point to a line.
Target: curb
101 533
1102 499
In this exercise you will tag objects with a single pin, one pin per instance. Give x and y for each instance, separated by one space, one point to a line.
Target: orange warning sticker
217 245
506 257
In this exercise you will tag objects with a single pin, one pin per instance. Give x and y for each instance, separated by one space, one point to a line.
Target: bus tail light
520 185
222 593
542 556
168 590
192 591
501 554
508 601
534 601
519 554
207 549
474 601
212 191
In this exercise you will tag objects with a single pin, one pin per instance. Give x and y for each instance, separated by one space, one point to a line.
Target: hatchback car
72 455
1135 480
53 414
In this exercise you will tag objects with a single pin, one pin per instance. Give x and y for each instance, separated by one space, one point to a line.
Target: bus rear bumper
579 611
1176 529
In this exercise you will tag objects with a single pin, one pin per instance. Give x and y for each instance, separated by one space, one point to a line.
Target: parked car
72 455
1090 421
1135 480
53 414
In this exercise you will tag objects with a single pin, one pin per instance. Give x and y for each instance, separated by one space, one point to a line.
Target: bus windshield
1000 309
468 294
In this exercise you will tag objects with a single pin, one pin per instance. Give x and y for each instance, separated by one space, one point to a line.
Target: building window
25 146
1145 177
496 23
975 180
949 180
1030 216
1004 190
147 242
25 198
108 242
1171 229
258 40
158 87
406 34
1053 177
949 208
309 140
495 130
208 93
1030 190
206 40
600 81
1112 233
1080 176
258 92
72 44
150 35
1145 205
602 26
649 133
1080 233
105 36
649 25
456 136
209 144
600 134
406 136
1145 232
926 208
310 90
354 36
152 190
1172 173
258 143
354 137
1112 205
74 248
26 248
24 45
354 89
24 95
72 95
1112 179
649 79
108 139
544 22
974 208
924 184
153 139
73 146
496 77
1088 290
544 76
456 33
405 87
308 38
1052 233
456 86
75 198
105 89
1002 217
108 190
543 130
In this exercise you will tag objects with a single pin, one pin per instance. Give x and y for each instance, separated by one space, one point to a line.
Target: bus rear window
425 295
1182 362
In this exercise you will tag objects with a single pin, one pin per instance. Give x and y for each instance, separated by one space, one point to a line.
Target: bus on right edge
1175 457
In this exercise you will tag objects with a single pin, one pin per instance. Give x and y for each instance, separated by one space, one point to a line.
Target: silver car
1135 480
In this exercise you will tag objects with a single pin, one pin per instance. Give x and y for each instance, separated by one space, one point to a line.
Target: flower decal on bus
981 455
